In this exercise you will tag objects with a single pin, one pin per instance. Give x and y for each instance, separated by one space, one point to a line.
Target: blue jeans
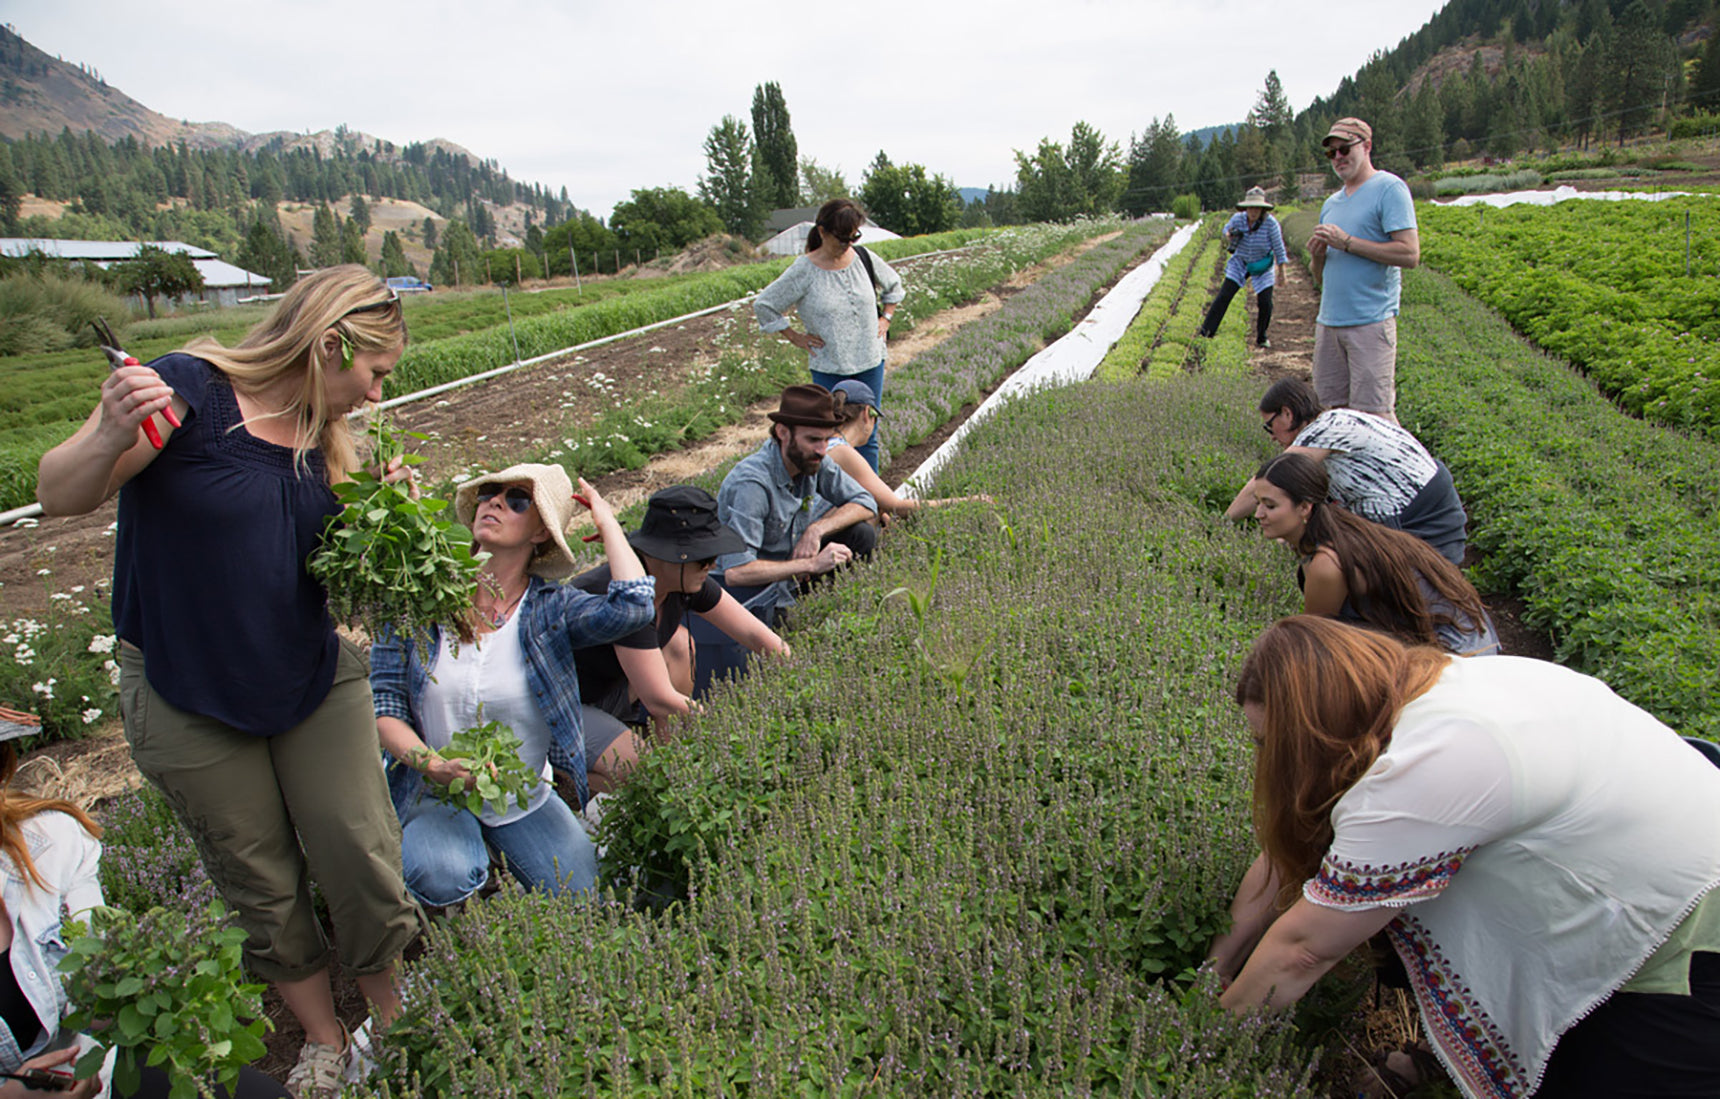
445 851
873 378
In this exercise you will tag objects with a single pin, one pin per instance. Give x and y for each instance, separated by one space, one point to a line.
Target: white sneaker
360 1059
593 814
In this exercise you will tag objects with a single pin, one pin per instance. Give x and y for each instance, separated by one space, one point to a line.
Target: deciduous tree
907 199
820 184
155 273
663 217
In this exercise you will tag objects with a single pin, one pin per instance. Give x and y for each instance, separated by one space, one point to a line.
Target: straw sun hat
1256 197
552 493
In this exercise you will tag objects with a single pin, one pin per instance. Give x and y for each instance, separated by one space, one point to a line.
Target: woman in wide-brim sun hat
1257 254
519 672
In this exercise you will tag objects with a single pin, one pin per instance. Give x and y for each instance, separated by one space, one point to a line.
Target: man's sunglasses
519 500
1333 152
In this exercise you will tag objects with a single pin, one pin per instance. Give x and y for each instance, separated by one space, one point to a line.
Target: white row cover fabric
1071 359
1561 194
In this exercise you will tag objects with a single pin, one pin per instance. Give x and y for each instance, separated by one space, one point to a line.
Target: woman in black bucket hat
650 671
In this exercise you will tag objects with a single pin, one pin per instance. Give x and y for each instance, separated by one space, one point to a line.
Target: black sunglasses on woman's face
519 500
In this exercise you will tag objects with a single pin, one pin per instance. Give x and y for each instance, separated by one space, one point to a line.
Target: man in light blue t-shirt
1366 232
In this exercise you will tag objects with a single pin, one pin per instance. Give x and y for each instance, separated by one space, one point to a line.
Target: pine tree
429 234
394 263
351 243
777 180
729 185
325 237
360 213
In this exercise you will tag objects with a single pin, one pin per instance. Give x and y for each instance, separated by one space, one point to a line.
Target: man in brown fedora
1367 232
800 516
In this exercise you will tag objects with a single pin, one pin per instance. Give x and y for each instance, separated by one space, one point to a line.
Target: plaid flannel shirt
558 619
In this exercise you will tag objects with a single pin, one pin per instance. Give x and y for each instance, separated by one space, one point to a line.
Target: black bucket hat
681 524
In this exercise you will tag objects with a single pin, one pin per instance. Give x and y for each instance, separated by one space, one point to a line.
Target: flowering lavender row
925 393
970 841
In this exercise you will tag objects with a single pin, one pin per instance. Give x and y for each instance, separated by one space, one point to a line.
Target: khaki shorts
270 813
1356 367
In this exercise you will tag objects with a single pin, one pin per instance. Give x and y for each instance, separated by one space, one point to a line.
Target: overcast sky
604 98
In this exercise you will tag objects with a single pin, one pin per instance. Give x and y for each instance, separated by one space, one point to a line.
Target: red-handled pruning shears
594 535
118 358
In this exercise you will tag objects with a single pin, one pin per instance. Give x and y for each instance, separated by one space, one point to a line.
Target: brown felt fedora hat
806 406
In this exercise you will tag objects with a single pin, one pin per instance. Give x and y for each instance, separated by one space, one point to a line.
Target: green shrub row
1129 355
968 841
924 395
1177 340
1604 285
1606 525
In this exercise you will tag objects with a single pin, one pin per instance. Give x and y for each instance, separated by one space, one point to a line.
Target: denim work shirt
558 619
770 510
67 858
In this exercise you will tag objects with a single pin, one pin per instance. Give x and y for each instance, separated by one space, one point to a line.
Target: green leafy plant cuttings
491 752
174 990
391 560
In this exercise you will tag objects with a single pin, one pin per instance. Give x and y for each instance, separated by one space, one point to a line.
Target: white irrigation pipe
1073 358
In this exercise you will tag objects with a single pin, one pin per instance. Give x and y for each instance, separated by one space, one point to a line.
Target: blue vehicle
408 284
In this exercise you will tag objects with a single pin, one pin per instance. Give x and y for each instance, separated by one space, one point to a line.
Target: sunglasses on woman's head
393 298
519 500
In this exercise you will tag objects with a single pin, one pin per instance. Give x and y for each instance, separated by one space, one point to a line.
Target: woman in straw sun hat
520 673
1256 252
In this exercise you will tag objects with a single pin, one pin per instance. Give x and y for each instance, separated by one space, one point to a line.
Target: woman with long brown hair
49 857
1542 855
241 703
845 296
1365 573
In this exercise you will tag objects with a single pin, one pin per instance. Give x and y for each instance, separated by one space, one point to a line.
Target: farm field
1609 286
986 865
598 413
1605 524
987 910
47 396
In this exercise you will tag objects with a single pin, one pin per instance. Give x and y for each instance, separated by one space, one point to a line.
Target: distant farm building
223 283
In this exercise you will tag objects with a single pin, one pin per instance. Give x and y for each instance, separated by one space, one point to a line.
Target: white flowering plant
62 664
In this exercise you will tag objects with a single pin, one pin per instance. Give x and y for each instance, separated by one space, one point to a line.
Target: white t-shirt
490 673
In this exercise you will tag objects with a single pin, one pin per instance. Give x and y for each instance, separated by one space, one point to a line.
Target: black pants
1643 1045
1220 304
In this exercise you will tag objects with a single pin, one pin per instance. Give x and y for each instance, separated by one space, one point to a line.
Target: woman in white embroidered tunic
1541 853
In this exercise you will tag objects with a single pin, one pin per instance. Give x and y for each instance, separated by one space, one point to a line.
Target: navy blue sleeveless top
209 566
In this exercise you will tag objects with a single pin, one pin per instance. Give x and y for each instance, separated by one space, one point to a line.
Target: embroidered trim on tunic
1474 1046
1343 884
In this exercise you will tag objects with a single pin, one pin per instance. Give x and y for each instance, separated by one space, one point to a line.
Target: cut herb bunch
389 560
174 988
491 752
